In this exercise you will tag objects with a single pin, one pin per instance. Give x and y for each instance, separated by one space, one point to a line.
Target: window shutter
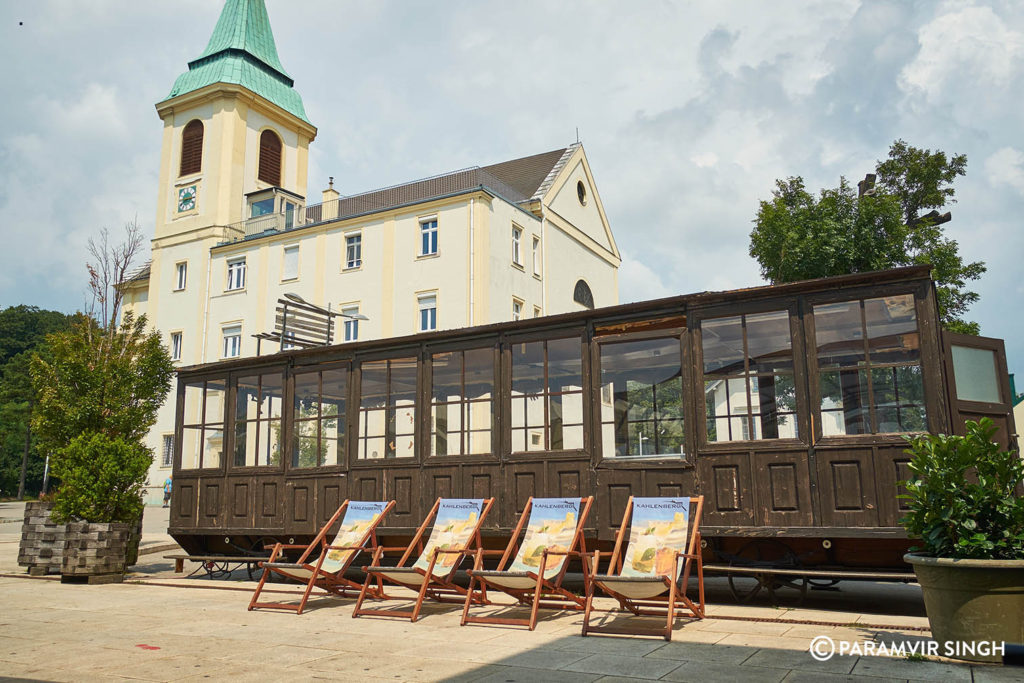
270 158
192 148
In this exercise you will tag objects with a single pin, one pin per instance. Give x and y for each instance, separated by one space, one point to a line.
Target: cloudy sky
688 112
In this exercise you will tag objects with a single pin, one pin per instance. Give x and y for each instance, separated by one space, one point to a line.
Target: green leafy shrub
101 479
99 390
964 500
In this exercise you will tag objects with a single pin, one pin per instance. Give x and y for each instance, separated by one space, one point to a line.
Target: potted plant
967 509
99 386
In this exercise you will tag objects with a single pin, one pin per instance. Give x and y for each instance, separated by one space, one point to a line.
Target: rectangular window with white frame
517 239
180 276
536 311
175 345
517 309
236 274
351 324
428 237
536 257
428 312
232 335
353 251
167 451
290 263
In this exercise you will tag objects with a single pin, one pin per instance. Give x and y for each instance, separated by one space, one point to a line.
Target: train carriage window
461 402
547 395
749 391
258 404
202 442
387 409
869 367
642 398
318 418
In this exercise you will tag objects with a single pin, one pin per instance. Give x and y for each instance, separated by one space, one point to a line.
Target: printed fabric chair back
552 526
360 518
659 527
456 520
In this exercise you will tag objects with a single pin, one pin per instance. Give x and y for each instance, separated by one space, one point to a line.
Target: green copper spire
242 51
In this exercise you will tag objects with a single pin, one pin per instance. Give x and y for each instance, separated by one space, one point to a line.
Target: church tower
236 137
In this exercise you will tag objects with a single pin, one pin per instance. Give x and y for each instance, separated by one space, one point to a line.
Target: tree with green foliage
799 236
99 390
22 331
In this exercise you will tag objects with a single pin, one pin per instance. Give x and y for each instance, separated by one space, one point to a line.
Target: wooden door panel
612 492
670 483
184 507
300 506
783 491
270 502
567 479
241 494
330 494
846 485
524 479
400 484
891 467
484 481
366 485
211 512
727 486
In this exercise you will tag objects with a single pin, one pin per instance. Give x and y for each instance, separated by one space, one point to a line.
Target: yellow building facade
234 231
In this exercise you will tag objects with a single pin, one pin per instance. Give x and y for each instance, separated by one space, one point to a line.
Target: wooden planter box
42 540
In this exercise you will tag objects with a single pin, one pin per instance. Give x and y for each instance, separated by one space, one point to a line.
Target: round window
581 192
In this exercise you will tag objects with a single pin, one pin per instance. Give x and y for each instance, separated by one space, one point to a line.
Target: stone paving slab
50 631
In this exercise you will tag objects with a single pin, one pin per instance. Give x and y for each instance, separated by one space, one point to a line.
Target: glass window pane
839 333
975 373
335 390
446 371
193 410
899 399
769 344
642 398
305 451
844 402
307 395
374 384
213 447
528 368
479 365
191 442
271 396
722 345
403 381
216 392
565 363
892 329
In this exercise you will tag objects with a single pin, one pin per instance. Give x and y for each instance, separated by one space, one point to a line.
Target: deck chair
554 533
327 572
652 574
456 530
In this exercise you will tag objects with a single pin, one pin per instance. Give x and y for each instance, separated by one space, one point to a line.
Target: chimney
330 199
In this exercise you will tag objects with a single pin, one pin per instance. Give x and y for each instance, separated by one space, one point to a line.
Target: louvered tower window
270 158
192 148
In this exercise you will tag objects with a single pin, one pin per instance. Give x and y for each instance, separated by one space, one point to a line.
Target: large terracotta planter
972 601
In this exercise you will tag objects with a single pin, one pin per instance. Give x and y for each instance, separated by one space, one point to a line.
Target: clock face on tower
186 198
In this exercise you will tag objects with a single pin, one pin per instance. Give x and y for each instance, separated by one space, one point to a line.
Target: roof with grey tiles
242 51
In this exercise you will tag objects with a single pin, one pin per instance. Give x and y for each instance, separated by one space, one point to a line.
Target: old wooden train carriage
784 405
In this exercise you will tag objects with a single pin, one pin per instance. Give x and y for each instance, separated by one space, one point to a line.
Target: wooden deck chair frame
441 588
546 593
669 605
333 583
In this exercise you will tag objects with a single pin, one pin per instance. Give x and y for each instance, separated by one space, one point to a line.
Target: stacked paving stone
95 553
42 540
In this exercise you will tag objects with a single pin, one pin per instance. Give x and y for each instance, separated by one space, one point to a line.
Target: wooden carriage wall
785 406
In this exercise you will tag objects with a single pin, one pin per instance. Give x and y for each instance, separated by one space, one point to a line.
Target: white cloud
1006 167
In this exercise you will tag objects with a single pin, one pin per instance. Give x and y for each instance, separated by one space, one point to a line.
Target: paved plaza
160 626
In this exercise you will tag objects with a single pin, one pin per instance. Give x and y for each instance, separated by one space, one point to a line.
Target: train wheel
768 554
